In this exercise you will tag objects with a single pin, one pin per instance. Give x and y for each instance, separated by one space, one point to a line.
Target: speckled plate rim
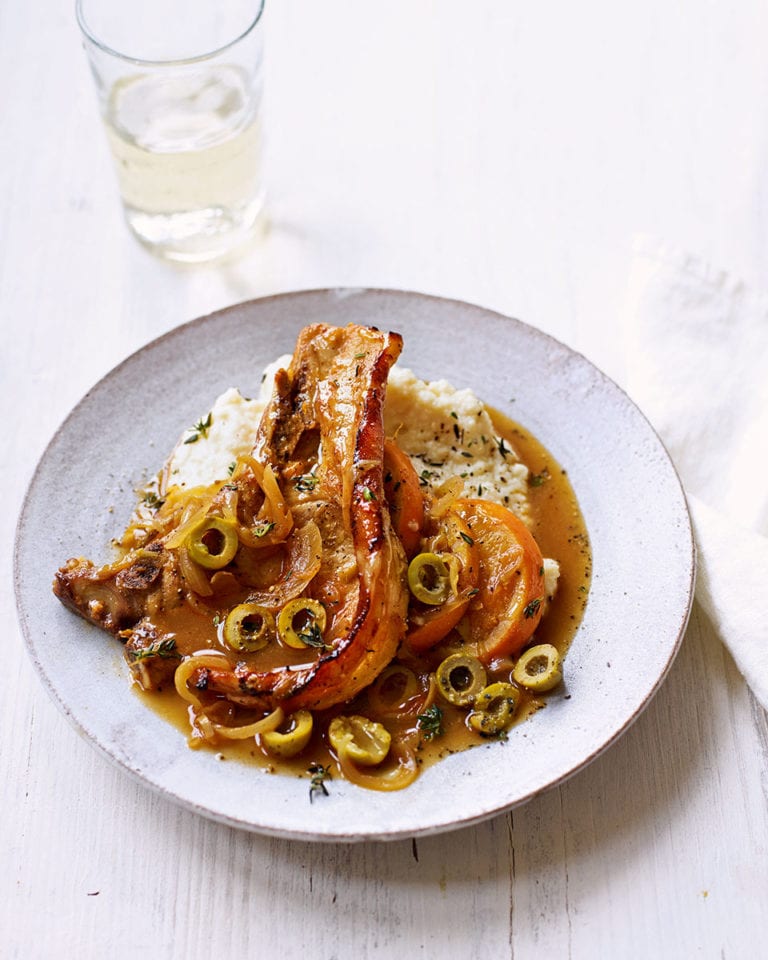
568 737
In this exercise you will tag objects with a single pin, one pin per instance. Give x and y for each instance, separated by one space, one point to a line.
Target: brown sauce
559 529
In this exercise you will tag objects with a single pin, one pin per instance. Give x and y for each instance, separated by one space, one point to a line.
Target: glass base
195 236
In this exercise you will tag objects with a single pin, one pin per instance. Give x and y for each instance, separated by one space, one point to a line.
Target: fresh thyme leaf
151 500
368 494
262 529
464 453
231 467
431 722
537 479
200 429
532 608
454 415
306 482
318 775
312 636
503 448
166 649
359 356
473 592
466 538
425 476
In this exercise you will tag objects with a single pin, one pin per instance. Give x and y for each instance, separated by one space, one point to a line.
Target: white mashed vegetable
446 432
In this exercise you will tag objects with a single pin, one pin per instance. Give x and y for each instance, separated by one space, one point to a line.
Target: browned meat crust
334 391
322 434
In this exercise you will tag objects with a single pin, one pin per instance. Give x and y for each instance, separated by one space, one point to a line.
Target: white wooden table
500 152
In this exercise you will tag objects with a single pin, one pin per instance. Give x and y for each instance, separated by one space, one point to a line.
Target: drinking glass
179 84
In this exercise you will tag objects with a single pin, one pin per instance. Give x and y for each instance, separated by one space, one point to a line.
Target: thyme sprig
431 722
306 482
318 775
312 636
262 529
166 649
200 429
151 500
537 479
532 608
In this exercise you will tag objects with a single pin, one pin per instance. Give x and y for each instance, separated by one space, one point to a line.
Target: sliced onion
391 778
229 504
202 728
447 493
281 515
246 462
381 698
271 722
207 658
194 577
302 561
190 519
431 694
454 567
274 512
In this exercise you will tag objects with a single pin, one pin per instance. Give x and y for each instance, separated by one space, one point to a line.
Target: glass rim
91 37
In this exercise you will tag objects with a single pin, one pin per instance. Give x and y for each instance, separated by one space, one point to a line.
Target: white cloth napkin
697 365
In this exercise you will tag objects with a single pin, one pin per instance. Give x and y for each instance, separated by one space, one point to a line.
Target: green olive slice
460 679
429 579
494 709
359 739
302 623
539 668
248 627
213 542
291 741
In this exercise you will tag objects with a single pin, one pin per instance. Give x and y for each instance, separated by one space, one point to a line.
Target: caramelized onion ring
194 577
305 549
207 658
271 722
396 778
274 510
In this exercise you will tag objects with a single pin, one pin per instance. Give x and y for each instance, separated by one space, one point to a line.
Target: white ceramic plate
643 556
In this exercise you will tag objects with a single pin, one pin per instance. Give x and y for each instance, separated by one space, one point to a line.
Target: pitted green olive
302 623
359 739
460 679
539 668
212 543
248 627
293 740
429 579
494 708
